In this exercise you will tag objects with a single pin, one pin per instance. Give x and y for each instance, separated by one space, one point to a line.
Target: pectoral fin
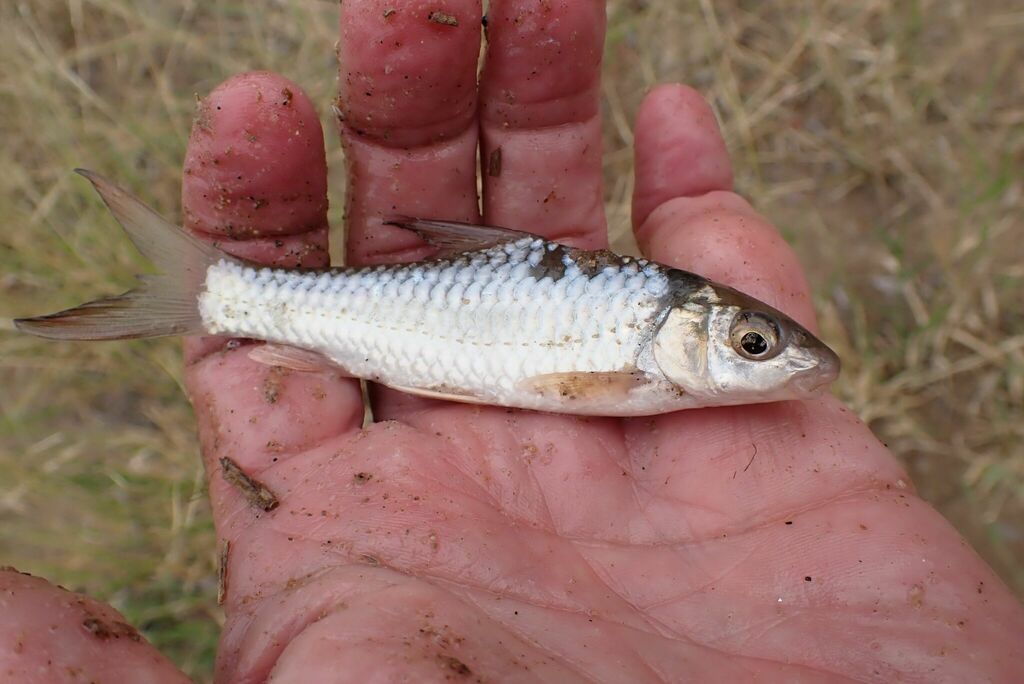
575 386
294 358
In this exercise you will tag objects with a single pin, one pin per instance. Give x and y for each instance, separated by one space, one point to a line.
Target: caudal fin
162 305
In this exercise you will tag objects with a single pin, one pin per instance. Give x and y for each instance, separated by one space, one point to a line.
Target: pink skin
771 543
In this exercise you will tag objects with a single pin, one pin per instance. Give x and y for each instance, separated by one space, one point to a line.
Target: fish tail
162 305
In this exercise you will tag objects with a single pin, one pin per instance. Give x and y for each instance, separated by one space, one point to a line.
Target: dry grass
886 138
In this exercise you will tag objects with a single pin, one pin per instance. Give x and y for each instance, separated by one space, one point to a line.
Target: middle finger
407 98
407 105
540 119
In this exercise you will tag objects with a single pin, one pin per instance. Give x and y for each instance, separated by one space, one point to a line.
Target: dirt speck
272 385
202 119
103 630
455 665
915 595
591 262
439 17
362 477
494 163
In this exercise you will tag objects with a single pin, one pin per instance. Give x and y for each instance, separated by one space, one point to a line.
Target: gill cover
680 347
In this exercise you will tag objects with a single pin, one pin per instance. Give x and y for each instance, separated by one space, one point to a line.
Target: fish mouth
818 377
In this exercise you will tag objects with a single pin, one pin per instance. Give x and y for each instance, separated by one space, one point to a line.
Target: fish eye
755 335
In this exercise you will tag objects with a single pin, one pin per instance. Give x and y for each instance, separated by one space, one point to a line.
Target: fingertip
408 70
49 634
543 64
256 165
721 237
679 149
255 177
261 414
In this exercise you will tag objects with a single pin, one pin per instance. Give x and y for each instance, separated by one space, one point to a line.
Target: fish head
726 347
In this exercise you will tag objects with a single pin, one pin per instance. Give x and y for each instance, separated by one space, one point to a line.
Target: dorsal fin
454 237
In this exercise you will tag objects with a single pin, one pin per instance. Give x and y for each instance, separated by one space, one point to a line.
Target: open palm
777 542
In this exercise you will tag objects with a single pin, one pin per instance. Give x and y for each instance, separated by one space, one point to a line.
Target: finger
540 119
255 182
685 214
679 150
49 634
407 102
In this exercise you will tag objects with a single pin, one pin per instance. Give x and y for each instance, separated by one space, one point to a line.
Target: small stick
254 491
222 571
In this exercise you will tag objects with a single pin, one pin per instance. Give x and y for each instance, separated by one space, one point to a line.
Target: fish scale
483 323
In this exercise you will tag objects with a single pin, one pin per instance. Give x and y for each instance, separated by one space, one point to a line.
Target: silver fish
498 317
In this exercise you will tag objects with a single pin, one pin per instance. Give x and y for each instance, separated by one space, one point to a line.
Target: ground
885 138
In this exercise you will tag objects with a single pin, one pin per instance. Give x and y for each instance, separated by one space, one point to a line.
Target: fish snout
821 373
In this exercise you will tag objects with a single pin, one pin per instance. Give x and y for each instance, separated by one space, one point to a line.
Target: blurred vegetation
885 138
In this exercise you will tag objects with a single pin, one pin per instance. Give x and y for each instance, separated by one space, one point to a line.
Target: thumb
686 215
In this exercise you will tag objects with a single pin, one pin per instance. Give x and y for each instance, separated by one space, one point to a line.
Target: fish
497 317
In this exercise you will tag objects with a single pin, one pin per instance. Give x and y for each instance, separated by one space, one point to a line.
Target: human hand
779 542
